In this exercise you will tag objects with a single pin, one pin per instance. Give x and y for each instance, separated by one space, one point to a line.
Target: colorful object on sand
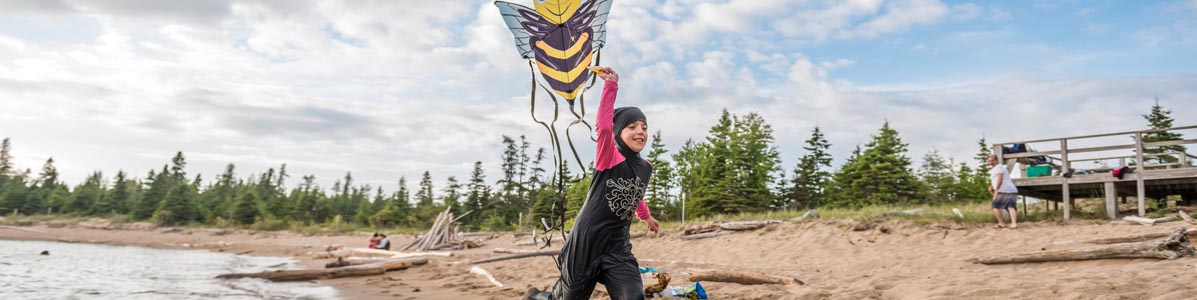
692 291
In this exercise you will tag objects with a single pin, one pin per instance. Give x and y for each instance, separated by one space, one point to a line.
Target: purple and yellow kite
562 37
561 41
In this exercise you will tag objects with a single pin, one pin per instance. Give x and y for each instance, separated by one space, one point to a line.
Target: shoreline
250 242
903 261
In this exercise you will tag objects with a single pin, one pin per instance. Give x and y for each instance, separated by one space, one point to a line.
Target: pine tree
451 194
48 186
424 195
6 164
713 189
811 174
879 175
246 209
657 194
755 162
536 171
686 163
938 177
178 206
89 199
305 199
1160 118
478 194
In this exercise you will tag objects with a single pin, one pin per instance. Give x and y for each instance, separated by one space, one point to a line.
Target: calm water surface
85 271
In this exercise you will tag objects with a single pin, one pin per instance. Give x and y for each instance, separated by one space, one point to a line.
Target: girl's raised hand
606 74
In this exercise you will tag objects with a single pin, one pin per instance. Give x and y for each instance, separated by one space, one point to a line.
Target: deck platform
1176 176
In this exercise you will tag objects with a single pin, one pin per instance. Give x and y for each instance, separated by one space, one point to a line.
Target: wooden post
1024 205
1064 186
1139 173
1111 200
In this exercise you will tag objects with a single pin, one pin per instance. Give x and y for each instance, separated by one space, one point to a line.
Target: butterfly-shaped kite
562 37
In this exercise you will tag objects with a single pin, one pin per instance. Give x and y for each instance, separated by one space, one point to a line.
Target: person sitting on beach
1004 193
383 243
373 241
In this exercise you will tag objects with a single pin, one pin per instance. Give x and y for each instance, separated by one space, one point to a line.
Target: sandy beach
904 261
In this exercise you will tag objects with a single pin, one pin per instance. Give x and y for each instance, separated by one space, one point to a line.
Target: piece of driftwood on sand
509 251
1173 246
740 277
706 235
537 242
354 261
513 256
1123 239
442 235
1147 221
662 283
734 226
808 214
304 275
21 229
480 271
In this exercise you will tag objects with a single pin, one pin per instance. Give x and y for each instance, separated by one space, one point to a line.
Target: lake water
86 271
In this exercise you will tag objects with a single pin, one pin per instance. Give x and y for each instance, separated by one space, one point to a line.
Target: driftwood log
662 283
808 214
537 242
740 277
1186 217
741 225
21 229
442 232
1147 221
1123 239
304 275
706 235
345 262
480 271
1173 246
506 250
355 261
513 256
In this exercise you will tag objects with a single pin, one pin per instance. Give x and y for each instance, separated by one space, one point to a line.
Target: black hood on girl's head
623 117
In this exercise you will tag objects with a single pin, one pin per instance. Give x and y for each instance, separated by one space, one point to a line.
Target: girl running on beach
599 248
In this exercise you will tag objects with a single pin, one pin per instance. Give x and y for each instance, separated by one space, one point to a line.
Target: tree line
736 168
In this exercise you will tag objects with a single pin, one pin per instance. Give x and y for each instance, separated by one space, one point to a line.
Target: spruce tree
1160 118
755 162
478 194
657 195
424 195
6 164
451 194
811 174
938 178
884 175
89 199
713 190
178 207
245 212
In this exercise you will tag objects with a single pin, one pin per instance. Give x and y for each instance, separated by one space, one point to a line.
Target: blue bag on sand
692 291
648 270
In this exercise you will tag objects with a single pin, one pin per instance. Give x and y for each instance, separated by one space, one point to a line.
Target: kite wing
599 24
523 23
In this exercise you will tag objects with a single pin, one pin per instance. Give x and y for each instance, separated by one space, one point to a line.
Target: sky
390 89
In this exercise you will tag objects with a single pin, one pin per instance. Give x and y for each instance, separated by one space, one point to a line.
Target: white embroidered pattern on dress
624 196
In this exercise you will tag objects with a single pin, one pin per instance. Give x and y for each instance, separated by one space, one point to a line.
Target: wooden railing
1066 164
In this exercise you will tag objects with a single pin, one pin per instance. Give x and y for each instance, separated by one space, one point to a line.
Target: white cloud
899 16
387 89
